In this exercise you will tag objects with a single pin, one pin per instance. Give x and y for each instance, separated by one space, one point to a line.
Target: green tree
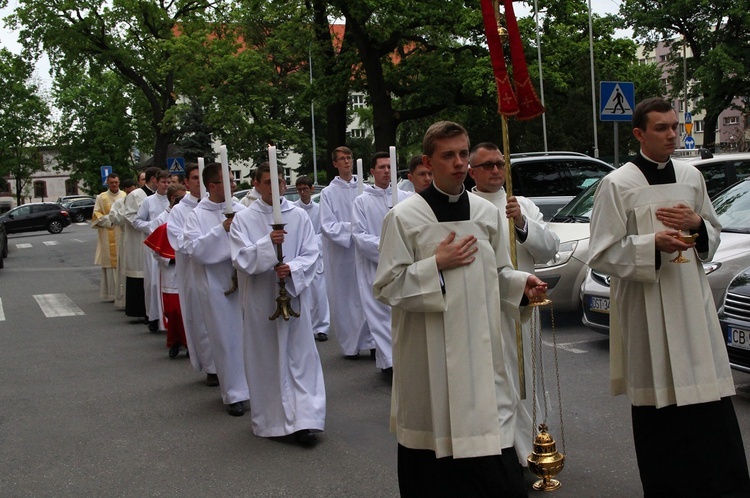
130 37
24 116
718 35
96 126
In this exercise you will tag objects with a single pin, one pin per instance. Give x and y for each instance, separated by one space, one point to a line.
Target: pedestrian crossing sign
616 100
176 165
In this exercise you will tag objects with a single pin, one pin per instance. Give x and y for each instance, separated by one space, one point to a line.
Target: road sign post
106 171
616 103
176 165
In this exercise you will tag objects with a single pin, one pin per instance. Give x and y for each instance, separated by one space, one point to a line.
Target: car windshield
578 209
733 208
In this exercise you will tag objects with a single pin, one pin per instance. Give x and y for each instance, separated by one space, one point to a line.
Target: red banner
506 99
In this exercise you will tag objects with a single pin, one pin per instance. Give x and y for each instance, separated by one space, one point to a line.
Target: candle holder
283 301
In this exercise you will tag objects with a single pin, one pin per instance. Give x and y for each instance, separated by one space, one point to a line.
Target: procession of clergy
171 255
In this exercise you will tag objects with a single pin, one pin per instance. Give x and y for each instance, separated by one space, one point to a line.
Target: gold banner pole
513 257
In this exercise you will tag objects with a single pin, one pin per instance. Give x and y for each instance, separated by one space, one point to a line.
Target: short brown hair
303 180
343 150
414 163
439 131
211 173
654 104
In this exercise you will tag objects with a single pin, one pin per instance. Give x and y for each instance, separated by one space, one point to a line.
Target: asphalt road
91 405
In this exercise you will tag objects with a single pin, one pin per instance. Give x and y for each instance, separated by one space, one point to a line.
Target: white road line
56 305
23 246
77 240
568 346
82 224
50 242
2 313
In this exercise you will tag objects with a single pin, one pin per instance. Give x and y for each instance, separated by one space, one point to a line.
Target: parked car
3 245
66 198
734 317
732 256
722 170
552 179
80 209
48 216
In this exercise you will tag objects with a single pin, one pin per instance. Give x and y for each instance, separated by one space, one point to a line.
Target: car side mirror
11 216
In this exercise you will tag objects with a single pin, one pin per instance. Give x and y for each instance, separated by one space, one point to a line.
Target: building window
357 100
71 187
698 126
731 120
357 133
663 58
236 174
40 189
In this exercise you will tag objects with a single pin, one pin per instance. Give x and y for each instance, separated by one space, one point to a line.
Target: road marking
50 242
82 224
56 305
2 313
77 240
23 246
568 346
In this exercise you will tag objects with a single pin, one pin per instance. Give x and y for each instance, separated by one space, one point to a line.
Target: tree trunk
709 131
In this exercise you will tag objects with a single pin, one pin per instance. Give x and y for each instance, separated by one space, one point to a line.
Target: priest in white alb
445 270
108 241
207 243
370 209
287 392
667 352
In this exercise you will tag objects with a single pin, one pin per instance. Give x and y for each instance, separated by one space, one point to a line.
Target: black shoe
212 380
174 351
305 437
354 356
187 353
236 409
153 326
321 337
372 354
388 371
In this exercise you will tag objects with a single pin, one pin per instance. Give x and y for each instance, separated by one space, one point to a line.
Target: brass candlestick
283 301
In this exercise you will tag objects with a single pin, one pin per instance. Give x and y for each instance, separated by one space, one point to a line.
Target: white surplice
661 351
117 218
370 209
207 243
287 392
451 393
539 246
347 320
107 242
146 222
198 344
132 237
319 312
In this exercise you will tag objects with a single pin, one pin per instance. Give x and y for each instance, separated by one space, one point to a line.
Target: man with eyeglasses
321 317
336 203
535 243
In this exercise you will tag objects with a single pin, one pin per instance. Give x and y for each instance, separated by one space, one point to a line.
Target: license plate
738 338
599 304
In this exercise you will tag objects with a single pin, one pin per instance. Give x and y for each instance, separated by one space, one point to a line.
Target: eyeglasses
489 165
303 189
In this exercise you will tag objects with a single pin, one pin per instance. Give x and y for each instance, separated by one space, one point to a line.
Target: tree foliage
24 116
718 35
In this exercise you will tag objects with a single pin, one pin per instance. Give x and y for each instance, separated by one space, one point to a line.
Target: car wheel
55 226
78 217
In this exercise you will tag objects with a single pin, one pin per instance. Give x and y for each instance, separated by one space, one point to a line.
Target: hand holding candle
275 195
225 175
394 176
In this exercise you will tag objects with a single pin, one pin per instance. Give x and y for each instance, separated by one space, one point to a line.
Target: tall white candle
360 178
275 195
225 175
201 167
394 175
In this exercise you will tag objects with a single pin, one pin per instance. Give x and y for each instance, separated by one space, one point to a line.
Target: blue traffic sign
106 171
616 100
176 165
689 142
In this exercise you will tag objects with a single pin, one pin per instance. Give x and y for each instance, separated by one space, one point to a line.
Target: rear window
568 177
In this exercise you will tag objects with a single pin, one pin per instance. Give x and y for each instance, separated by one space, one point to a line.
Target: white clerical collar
451 198
658 164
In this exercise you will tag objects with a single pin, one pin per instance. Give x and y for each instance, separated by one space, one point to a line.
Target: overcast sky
9 39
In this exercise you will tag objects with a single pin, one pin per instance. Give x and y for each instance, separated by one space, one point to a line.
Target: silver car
732 256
